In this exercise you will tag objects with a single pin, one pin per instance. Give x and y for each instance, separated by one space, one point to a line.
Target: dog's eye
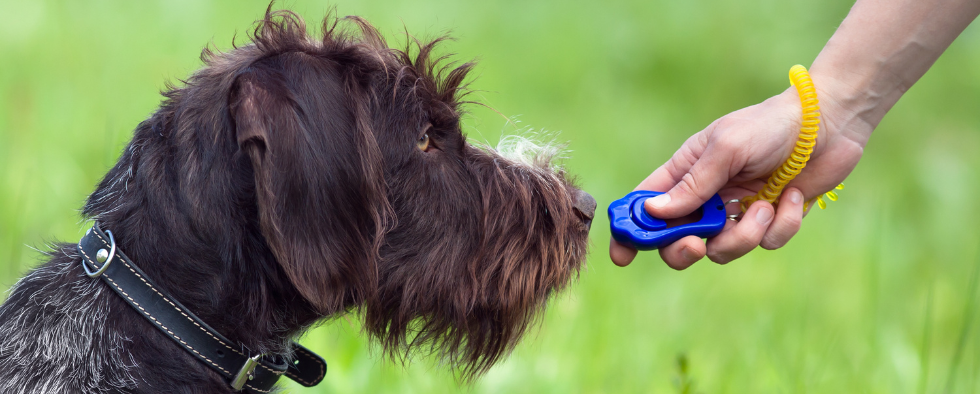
423 143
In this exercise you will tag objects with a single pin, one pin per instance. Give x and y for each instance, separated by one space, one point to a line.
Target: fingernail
690 255
795 197
659 201
764 216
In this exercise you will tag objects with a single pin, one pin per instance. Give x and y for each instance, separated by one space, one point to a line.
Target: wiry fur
535 154
282 185
61 337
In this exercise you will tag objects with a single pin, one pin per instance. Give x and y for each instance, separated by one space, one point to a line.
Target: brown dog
291 180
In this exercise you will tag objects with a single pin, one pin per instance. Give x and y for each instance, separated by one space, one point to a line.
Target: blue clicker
632 225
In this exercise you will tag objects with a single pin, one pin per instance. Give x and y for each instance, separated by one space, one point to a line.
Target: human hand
734 157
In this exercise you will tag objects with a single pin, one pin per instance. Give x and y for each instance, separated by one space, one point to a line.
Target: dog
288 181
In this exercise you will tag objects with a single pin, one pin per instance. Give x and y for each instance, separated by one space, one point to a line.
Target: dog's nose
584 206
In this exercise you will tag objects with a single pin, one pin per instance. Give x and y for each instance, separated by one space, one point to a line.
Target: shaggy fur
286 183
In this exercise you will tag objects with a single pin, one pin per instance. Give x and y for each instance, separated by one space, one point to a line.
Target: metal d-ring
734 216
103 258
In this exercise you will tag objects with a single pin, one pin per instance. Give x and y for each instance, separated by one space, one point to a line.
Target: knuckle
780 234
740 244
688 156
672 168
702 137
724 124
719 257
745 240
793 226
689 184
792 223
727 144
772 242
674 263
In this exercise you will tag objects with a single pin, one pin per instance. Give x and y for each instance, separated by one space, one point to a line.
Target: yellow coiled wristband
800 78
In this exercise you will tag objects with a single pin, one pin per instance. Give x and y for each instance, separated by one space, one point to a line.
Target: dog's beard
482 291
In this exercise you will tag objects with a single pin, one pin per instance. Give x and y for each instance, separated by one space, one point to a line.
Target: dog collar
254 373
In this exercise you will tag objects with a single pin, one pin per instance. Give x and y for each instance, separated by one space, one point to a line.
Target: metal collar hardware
101 256
245 374
102 259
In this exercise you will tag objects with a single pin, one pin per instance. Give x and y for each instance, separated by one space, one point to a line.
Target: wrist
849 106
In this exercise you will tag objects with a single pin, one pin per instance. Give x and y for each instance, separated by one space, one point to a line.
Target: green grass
877 294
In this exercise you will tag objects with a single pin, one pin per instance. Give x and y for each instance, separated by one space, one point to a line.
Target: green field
877 294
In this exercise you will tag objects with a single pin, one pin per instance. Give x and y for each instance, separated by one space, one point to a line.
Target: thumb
708 175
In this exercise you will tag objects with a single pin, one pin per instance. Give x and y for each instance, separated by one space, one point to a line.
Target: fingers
738 239
660 180
708 175
620 254
789 216
667 175
762 225
681 254
678 255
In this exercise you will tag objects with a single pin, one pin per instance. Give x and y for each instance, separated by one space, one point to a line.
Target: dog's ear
318 183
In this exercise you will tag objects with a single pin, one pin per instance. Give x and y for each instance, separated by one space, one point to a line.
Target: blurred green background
875 295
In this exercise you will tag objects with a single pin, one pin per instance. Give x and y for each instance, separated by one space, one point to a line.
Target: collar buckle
98 250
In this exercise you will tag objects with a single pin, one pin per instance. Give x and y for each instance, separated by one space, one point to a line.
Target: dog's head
346 160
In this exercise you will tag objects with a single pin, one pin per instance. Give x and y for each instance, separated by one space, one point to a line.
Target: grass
874 295
964 336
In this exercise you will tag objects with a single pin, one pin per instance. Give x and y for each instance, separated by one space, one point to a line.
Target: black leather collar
254 373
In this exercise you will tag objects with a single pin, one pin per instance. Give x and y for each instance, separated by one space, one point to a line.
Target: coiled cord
800 78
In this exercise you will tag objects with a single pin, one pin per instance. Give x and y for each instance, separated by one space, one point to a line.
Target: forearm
881 49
